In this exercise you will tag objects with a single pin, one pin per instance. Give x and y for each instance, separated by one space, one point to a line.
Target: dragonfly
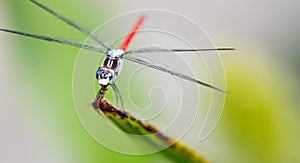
107 73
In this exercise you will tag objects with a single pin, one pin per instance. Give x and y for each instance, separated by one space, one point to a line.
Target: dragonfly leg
118 95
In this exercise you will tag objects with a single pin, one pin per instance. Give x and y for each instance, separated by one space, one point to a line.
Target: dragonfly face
105 76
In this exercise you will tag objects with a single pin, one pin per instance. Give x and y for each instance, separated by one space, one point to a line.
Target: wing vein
162 68
161 50
73 24
74 43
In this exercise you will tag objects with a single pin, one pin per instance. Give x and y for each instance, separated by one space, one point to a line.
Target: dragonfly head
105 76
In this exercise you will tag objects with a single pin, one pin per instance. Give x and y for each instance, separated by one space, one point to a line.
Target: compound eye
98 73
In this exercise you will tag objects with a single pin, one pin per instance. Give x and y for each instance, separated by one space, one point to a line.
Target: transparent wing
74 43
73 24
161 50
162 68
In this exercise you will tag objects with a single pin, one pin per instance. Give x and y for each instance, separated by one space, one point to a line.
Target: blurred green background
260 121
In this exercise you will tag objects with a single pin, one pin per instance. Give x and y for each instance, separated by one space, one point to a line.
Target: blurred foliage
260 117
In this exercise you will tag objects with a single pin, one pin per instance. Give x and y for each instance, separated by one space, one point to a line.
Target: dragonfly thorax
115 53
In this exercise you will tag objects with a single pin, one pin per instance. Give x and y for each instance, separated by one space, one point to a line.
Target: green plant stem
174 150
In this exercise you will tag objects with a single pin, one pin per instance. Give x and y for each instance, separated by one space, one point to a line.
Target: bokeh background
260 121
